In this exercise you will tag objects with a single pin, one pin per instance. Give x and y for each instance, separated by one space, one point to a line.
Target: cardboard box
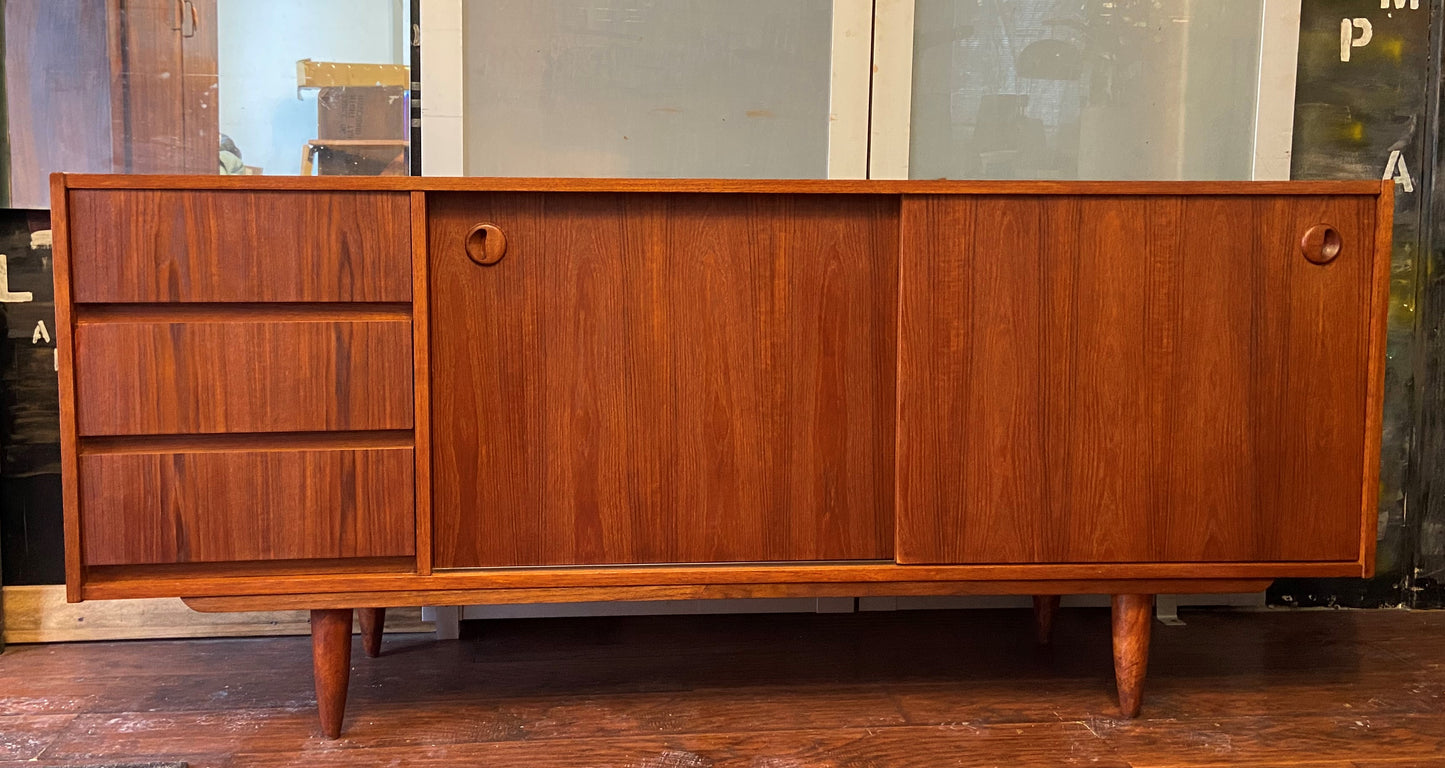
362 112
329 74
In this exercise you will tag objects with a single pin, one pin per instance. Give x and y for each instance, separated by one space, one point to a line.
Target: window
1053 89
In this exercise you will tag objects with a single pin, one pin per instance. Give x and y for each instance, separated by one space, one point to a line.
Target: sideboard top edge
789 186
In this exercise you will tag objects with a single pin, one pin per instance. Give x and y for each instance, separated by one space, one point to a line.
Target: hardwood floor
1311 689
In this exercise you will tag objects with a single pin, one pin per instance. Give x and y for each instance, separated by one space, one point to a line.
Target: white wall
260 43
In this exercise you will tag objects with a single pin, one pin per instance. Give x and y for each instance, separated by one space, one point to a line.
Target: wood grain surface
1046 607
1304 689
371 621
652 379
246 505
1131 624
1375 381
220 580
331 665
174 245
1051 382
246 376
65 389
1132 380
41 614
542 595
421 377
79 181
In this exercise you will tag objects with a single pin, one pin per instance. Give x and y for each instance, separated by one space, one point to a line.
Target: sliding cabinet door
1129 379
663 378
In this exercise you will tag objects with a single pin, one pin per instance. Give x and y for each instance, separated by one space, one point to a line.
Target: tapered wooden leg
1045 606
372 620
331 661
1133 620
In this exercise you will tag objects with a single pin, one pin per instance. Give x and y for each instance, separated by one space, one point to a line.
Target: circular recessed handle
486 245
1321 243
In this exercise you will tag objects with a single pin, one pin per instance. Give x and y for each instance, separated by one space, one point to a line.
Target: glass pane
317 87
647 88
1084 89
203 87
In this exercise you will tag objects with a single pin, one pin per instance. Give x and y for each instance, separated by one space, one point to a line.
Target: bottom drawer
150 508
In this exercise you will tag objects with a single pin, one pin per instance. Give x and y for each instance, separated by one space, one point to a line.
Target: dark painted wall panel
1427 585
30 523
1367 117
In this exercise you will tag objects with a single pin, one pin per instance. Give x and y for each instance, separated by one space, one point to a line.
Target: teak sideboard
339 394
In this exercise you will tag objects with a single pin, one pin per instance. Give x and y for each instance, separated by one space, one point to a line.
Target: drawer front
154 508
149 378
255 246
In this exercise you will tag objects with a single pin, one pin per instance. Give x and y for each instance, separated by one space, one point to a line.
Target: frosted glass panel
1084 89
661 88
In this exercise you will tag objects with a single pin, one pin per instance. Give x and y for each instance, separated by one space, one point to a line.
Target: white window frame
443 97
1274 101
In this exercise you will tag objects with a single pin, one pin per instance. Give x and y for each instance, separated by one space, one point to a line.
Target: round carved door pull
1321 243
486 245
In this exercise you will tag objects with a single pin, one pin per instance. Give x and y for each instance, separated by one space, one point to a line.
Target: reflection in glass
201 87
315 87
1084 89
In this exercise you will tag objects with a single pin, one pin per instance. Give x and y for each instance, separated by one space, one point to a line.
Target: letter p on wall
1347 35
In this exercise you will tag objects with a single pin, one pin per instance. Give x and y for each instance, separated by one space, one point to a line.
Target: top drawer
254 246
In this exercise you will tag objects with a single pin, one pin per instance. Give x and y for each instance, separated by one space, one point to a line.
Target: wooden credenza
341 394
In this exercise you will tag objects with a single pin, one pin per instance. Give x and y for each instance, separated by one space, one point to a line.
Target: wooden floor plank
1022 746
24 737
1337 689
1318 693
1266 740
384 725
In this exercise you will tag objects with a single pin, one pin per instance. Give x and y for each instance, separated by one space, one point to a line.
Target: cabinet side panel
421 376
1383 254
65 370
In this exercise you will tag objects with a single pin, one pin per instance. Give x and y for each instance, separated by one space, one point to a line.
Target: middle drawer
274 375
